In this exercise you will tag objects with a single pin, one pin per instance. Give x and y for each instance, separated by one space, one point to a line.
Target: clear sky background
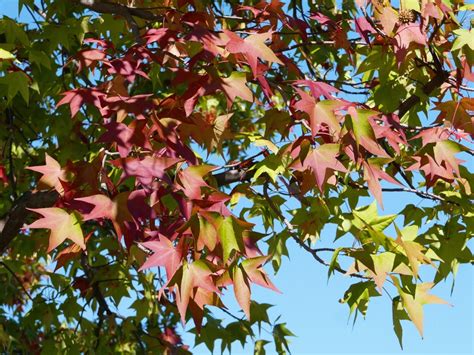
309 303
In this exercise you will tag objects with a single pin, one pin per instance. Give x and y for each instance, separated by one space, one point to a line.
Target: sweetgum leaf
62 225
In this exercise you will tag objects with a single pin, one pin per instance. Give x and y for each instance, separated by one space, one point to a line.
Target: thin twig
17 279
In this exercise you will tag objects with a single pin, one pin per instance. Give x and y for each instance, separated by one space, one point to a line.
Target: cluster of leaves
118 115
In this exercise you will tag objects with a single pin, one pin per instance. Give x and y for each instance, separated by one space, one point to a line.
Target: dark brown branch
106 7
422 194
19 212
427 89
97 293
233 175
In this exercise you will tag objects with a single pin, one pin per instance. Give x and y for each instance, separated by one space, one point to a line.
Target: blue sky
309 304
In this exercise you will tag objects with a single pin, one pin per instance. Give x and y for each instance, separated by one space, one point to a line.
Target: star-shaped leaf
165 254
323 162
52 173
63 225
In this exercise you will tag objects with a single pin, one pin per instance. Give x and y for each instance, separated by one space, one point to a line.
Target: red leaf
253 269
318 88
322 162
52 174
252 47
364 28
146 169
373 173
195 274
125 136
242 290
88 58
69 253
78 97
165 254
406 35
191 180
103 207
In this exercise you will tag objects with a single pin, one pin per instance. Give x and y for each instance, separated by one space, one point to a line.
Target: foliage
157 153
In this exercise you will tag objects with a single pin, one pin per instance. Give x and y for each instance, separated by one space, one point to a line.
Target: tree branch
106 7
233 175
427 89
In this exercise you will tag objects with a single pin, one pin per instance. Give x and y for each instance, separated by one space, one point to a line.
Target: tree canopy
158 154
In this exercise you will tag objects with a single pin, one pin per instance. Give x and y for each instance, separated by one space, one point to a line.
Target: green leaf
465 38
271 165
368 216
358 295
259 313
230 235
259 348
398 314
18 82
280 333
333 263
14 31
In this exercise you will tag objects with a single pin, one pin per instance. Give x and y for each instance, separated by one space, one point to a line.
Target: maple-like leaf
443 165
78 97
373 173
210 133
242 289
125 136
387 16
165 254
413 250
414 304
207 232
70 253
230 230
146 169
52 174
63 225
200 298
195 274
458 113
160 35
89 58
254 270
322 161
103 207
320 113
253 47
234 86
361 126
405 36
364 28
192 180
318 88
